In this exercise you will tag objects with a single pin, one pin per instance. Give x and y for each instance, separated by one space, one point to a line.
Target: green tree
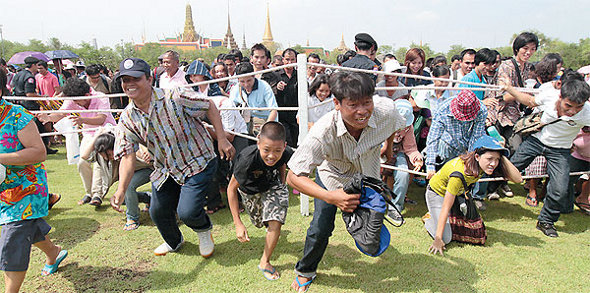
454 50
385 49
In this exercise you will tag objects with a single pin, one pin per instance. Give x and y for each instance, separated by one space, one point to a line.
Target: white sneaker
394 217
494 196
507 191
206 245
164 248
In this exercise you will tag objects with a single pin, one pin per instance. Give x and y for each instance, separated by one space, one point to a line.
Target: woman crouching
485 156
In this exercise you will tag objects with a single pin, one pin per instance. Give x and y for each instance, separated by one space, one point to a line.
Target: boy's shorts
16 240
270 205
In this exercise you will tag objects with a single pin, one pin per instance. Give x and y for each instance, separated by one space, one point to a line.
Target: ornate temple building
267 39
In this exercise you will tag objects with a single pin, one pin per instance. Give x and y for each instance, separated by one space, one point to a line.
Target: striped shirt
337 154
172 131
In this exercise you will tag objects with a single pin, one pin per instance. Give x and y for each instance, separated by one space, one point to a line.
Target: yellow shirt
441 182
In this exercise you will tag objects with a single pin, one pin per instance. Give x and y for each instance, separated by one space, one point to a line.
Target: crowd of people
171 133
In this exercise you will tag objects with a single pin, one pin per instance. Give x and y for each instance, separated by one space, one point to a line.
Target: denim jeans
558 170
132 197
319 231
401 181
187 200
480 189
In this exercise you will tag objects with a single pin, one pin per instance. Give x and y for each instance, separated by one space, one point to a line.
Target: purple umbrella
19 58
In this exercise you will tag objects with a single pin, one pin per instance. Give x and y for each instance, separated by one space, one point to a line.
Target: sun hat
421 98
404 107
465 106
489 143
392 65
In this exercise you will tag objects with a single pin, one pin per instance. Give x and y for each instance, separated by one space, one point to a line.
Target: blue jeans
132 197
480 189
401 181
558 170
319 231
187 200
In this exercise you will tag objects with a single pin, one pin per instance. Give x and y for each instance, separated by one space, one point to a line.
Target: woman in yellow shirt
485 156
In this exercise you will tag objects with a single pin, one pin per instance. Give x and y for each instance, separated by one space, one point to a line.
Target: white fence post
302 102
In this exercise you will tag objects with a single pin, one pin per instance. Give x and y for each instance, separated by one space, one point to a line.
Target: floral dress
23 194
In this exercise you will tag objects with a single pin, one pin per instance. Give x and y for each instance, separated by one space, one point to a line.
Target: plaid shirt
449 137
172 132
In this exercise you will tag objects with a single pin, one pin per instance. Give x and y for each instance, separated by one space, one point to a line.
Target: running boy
259 176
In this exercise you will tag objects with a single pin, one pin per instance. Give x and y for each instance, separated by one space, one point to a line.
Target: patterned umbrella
19 58
61 54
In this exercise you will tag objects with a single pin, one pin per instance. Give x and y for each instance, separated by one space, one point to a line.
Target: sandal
271 272
53 202
531 201
584 207
306 284
50 269
131 226
216 209
96 201
86 199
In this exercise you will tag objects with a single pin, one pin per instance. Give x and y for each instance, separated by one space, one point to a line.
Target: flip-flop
263 271
50 269
131 226
96 201
51 204
308 283
86 199
534 203
584 207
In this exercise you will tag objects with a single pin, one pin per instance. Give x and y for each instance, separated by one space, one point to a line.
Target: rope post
302 102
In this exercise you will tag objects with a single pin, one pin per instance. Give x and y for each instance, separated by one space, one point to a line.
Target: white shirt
167 82
231 119
337 155
560 134
315 113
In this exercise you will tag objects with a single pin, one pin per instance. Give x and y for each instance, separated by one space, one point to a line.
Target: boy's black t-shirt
253 175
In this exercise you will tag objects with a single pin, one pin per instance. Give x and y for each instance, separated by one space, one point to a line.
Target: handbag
530 124
466 224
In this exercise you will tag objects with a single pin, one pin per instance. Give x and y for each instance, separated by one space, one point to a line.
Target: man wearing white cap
392 66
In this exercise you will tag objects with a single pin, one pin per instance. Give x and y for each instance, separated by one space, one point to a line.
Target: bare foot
50 259
269 272
305 283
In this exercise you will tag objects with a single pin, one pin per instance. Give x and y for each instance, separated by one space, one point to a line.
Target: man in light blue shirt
484 60
253 92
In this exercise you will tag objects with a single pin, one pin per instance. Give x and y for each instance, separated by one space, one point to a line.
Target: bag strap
459 175
520 83
382 188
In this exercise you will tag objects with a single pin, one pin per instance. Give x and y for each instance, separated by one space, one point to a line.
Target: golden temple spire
189 35
228 40
267 38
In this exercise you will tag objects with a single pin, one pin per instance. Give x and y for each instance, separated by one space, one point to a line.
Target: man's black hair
363 46
260 47
574 88
523 39
290 50
429 62
351 85
92 69
349 54
75 87
546 70
2 62
315 56
390 56
274 131
439 59
467 52
229 57
244 67
236 53
277 57
340 59
104 142
486 56
220 57
440 70
555 57
455 57
245 59
42 63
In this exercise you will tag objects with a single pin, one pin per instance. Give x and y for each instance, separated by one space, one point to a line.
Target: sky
396 23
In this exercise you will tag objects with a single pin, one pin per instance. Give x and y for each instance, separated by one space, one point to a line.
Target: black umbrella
61 54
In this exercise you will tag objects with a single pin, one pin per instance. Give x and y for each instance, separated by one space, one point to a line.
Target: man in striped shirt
344 142
168 123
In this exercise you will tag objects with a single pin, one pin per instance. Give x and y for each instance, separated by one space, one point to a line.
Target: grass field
104 258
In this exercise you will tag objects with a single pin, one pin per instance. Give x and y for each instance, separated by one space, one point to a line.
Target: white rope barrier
241 75
58 98
70 132
77 111
422 88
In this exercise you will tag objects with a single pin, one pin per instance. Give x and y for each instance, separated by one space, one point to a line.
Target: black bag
365 224
466 225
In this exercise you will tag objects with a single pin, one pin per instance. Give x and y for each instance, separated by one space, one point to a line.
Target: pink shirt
46 84
167 82
95 104
582 147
